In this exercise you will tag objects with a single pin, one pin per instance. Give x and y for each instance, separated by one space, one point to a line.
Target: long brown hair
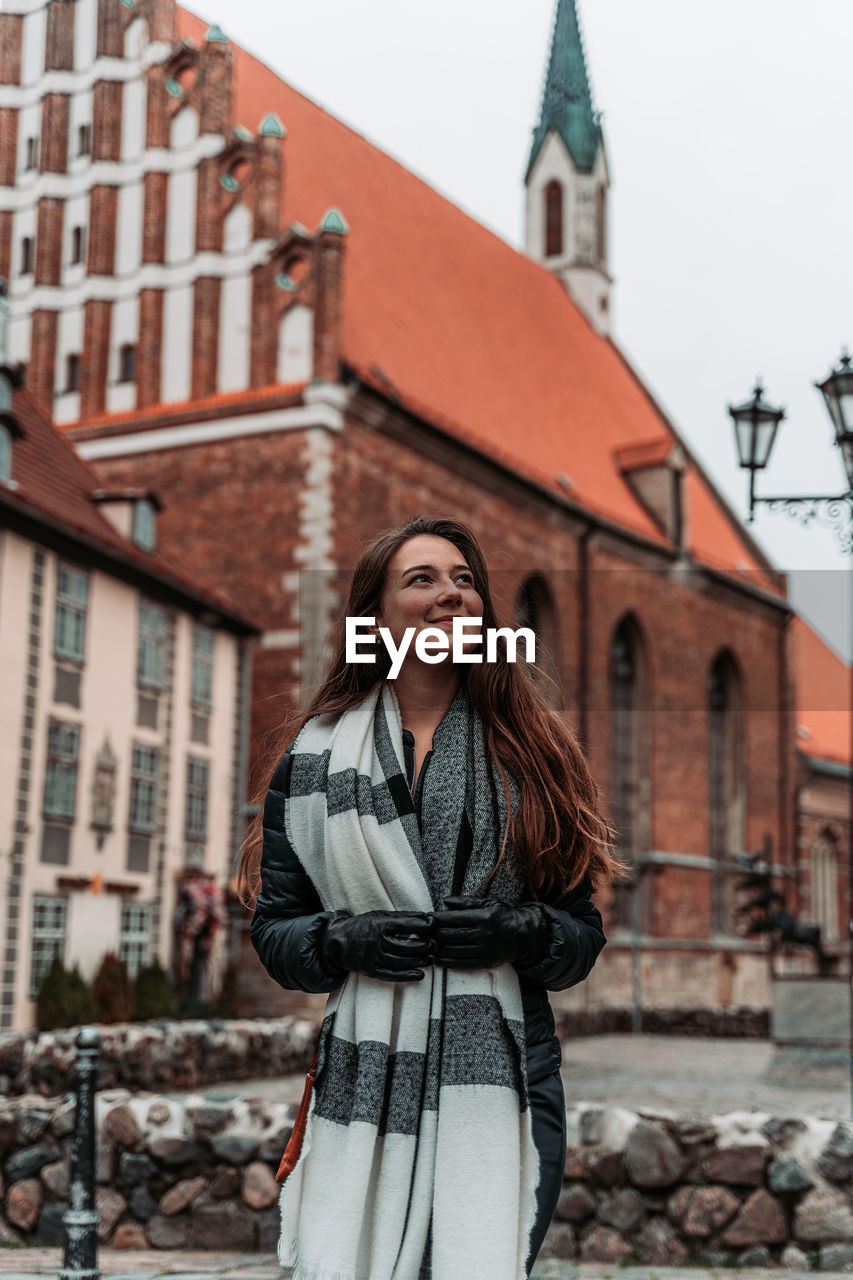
559 833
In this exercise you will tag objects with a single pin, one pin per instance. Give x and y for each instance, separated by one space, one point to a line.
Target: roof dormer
655 470
133 512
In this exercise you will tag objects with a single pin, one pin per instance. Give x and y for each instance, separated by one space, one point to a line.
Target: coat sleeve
289 918
577 937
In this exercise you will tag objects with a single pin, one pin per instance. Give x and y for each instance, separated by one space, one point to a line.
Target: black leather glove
382 944
477 933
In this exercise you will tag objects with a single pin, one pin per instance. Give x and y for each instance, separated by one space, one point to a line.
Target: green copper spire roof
567 101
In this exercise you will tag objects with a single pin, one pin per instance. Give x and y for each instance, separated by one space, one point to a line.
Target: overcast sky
728 135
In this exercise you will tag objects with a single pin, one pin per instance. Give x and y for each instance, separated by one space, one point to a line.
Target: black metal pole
80 1221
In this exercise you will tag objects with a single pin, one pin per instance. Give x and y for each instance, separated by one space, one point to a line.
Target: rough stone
793 1259
134 1169
142 1204
657 1242
209 1116
575 1204
57 1178
622 1209
574 1165
709 1209
104 1163
123 1125
30 1123
678 1204
23 1203
269 1230
652 1158
226 1182
606 1167
175 1151
780 1130
835 1162
62 1124
49 1228
758 1256
690 1131
159 1113
788 1174
235 1148
110 1205
168 1233
739 1166
836 1257
26 1164
761 1220
592 1126
9 1238
180 1196
823 1216
603 1244
260 1189
559 1242
129 1236
221 1224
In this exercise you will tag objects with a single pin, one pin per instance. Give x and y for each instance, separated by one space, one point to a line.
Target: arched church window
535 609
601 224
553 219
629 757
726 783
824 884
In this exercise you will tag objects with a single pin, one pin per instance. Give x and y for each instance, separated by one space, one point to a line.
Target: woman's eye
467 579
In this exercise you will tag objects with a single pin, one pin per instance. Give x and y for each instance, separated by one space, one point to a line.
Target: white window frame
144 784
48 936
72 601
152 646
61 770
135 936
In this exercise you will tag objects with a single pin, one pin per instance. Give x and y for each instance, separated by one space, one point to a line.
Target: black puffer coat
289 919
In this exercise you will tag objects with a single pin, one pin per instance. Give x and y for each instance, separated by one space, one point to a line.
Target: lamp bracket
829 511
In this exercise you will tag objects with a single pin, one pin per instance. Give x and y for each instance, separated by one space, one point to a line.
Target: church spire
567 100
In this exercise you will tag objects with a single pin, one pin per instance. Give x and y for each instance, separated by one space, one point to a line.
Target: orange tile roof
823 697
54 484
485 340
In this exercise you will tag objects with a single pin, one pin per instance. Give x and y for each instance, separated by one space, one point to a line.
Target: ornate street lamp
756 424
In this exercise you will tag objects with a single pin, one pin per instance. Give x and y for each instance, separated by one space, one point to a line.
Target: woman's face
428 584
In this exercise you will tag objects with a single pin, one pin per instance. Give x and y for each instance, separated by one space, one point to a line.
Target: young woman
428 850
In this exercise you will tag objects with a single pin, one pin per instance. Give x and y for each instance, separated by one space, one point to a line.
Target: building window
601 225
145 524
198 776
84 140
72 593
629 757
127 363
144 774
725 785
536 610
201 683
27 255
825 867
152 645
5 394
60 783
135 936
5 453
72 373
32 154
553 219
78 245
49 921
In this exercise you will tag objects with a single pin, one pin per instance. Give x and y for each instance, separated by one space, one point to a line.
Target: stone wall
160 1055
747 1187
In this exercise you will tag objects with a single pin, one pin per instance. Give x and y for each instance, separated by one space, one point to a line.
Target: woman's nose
450 591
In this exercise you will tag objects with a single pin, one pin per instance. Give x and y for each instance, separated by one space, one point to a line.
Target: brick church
229 298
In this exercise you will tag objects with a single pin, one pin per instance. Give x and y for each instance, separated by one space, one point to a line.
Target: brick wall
103 214
59 38
51 216
6 220
149 350
97 319
106 120
155 188
55 114
41 371
11 37
8 145
205 357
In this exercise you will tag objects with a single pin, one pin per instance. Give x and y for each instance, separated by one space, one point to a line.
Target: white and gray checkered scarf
418 1161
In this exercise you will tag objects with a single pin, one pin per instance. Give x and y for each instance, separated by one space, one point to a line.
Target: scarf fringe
287 1256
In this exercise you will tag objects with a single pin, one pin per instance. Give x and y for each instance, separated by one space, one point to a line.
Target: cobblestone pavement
681 1072
33 1264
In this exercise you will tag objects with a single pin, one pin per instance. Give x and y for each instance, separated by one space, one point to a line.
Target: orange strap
293 1149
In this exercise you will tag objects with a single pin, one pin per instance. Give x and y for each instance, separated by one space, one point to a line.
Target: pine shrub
64 998
113 990
155 997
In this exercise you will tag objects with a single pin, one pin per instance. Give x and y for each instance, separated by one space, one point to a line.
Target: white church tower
567 180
